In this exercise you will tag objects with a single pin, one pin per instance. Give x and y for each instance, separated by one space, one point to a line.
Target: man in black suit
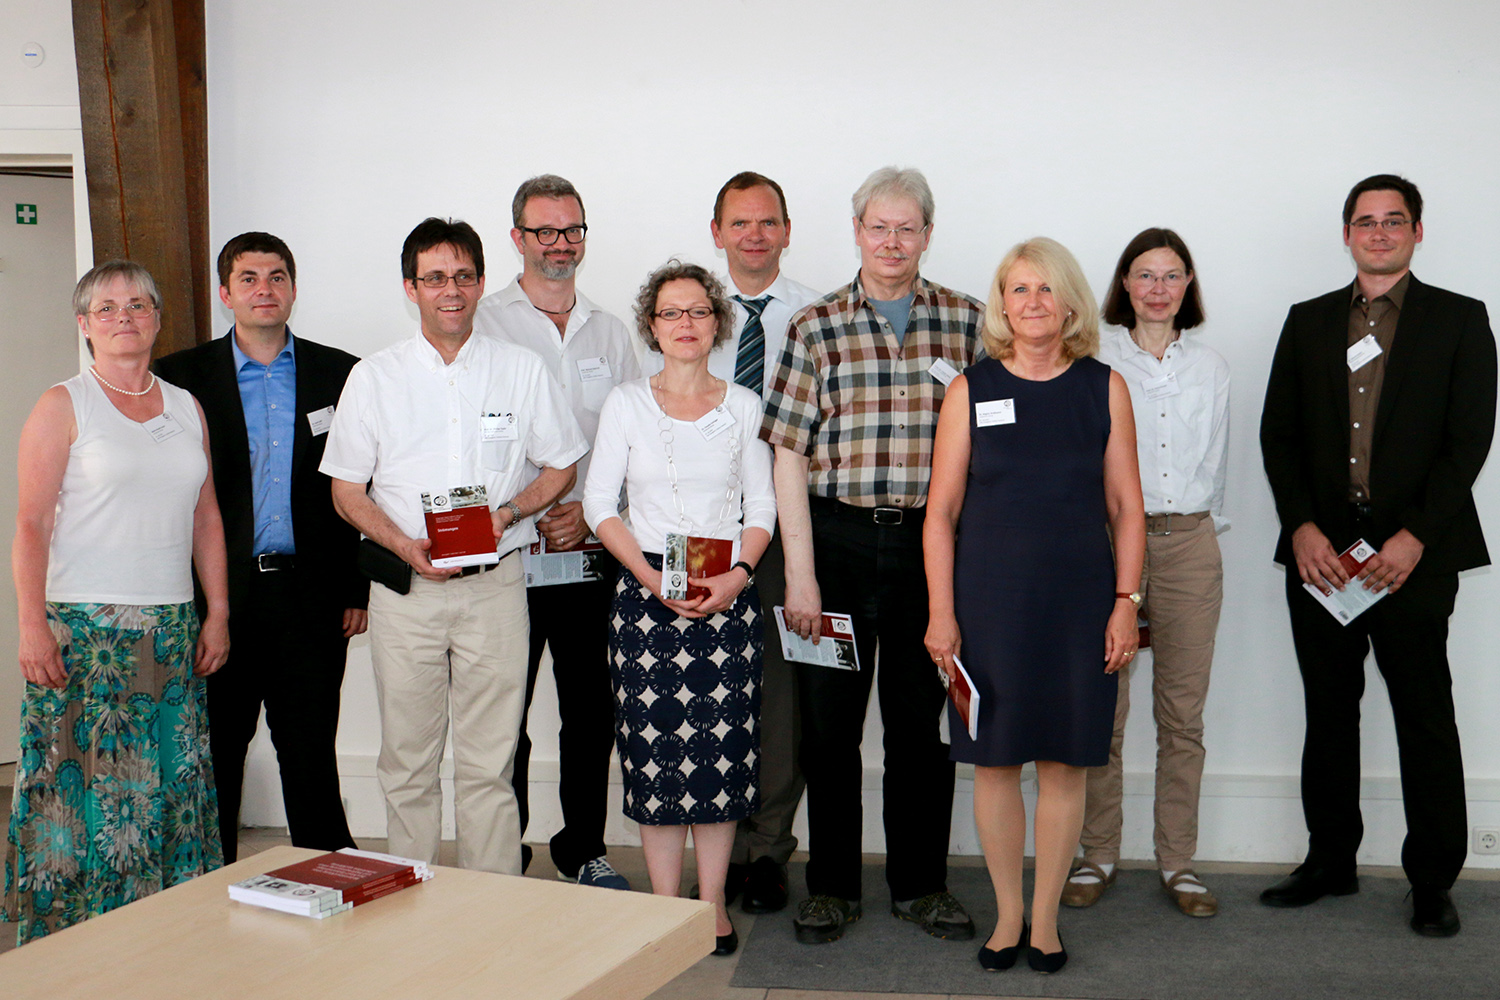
1378 418
295 596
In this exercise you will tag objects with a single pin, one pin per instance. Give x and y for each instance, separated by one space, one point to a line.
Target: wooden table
462 934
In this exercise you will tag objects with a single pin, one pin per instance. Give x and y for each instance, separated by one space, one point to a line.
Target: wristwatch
515 511
1134 598
749 572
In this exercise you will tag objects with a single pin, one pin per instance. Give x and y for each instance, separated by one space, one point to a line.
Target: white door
38 269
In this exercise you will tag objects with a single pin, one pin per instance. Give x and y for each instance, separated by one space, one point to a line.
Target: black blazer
326 543
1432 432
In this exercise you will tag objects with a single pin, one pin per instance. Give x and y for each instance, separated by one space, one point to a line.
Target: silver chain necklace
124 392
732 481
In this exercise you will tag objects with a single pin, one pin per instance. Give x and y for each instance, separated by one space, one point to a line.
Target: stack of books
330 883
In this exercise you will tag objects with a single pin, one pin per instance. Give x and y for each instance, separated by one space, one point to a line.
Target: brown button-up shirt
1365 318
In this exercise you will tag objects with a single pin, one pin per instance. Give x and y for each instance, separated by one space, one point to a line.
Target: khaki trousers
456 646
1183 583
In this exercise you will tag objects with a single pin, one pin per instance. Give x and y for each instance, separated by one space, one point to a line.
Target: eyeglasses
673 315
903 234
547 236
1389 225
1146 279
135 310
437 279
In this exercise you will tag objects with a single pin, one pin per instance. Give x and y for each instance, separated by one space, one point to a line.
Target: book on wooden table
289 897
690 556
330 883
459 527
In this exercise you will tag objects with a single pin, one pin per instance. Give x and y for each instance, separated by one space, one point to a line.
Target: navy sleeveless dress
1034 576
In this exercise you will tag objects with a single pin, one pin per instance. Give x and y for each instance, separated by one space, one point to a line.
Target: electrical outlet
1486 840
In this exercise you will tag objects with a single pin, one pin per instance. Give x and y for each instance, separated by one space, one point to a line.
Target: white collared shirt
594 354
1182 439
408 424
787 299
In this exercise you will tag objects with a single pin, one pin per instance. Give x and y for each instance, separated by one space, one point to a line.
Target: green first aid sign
25 215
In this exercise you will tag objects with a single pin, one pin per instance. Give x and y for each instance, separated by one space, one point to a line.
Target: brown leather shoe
1081 894
1194 904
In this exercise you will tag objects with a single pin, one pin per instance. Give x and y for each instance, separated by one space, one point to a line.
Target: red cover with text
459 527
707 557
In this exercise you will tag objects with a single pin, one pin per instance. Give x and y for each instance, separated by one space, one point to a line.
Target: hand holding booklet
965 697
1349 603
836 648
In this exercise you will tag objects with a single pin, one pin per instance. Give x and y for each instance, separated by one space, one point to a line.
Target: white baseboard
1242 817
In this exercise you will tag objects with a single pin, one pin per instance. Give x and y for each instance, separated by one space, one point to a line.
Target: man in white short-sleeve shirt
589 352
442 410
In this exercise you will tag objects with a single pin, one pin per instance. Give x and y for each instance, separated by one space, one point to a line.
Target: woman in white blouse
1179 388
686 447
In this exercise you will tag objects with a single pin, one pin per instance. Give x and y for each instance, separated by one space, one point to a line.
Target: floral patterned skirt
114 795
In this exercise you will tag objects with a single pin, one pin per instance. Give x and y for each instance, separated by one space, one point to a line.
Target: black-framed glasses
1389 225
547 235
437 279
674 314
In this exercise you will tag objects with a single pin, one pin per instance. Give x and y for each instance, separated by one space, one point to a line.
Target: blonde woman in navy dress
1034 469
686 446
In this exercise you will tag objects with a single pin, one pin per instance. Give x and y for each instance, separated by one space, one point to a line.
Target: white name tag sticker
1162 386
499 427
320 420
164 427
996 411
1363 352
594 370
714 422
943 371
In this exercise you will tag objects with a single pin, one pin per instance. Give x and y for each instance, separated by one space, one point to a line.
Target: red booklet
357 879
965 699
691 556
459 527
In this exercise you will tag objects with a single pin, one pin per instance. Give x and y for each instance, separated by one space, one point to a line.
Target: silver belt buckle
262 566
889 515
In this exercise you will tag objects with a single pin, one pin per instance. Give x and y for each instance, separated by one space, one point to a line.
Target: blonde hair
1070 289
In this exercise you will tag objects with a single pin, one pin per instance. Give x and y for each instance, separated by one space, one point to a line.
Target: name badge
164 427
714 422
996 411
943 371
594 370
1162 386
1363 352
320 420
499 427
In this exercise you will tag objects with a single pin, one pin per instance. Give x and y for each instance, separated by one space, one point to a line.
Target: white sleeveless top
124 528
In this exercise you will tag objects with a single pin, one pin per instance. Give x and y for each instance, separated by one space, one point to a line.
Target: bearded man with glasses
1378 417
442 411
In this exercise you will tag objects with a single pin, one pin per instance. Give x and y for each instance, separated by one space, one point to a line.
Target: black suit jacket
1432 432
326 544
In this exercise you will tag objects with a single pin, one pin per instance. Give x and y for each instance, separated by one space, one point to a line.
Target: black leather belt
885 517
274 562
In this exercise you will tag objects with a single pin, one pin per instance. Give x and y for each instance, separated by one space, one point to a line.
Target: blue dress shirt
269 398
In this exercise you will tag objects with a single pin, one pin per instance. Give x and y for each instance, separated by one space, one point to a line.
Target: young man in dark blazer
1378 417
295 595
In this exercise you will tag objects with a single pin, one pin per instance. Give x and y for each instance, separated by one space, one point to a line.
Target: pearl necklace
124 392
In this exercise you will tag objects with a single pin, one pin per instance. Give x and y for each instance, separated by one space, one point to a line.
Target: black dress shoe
1048 962
765 887
727 944
998 960
1433 913
1309 883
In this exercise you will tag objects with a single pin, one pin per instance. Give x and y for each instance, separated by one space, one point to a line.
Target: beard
558 270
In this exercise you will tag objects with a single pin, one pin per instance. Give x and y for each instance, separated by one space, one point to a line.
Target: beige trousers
456 646
1183 583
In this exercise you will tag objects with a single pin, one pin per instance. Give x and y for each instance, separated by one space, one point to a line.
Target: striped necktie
750 360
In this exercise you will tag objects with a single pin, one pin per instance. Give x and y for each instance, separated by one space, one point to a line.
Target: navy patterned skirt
687 706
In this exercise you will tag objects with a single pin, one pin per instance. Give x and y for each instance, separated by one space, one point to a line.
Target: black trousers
573 618
286 652
1409 632
875 573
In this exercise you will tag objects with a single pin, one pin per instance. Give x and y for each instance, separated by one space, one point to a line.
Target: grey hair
543 186
102 274
888 182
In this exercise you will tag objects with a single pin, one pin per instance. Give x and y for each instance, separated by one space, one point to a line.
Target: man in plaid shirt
851 411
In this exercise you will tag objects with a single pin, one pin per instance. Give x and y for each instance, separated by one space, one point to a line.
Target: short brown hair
254 243
1386 182
676 270
544 186
1117 307
744 181
434 232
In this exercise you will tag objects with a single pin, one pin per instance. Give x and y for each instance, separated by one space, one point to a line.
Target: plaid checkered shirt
862 406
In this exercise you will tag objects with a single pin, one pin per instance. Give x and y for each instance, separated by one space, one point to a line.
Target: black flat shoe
1309 883
1433 913
727 944
998 960
1046 962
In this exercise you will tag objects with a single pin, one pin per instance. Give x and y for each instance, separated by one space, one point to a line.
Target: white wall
339 125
